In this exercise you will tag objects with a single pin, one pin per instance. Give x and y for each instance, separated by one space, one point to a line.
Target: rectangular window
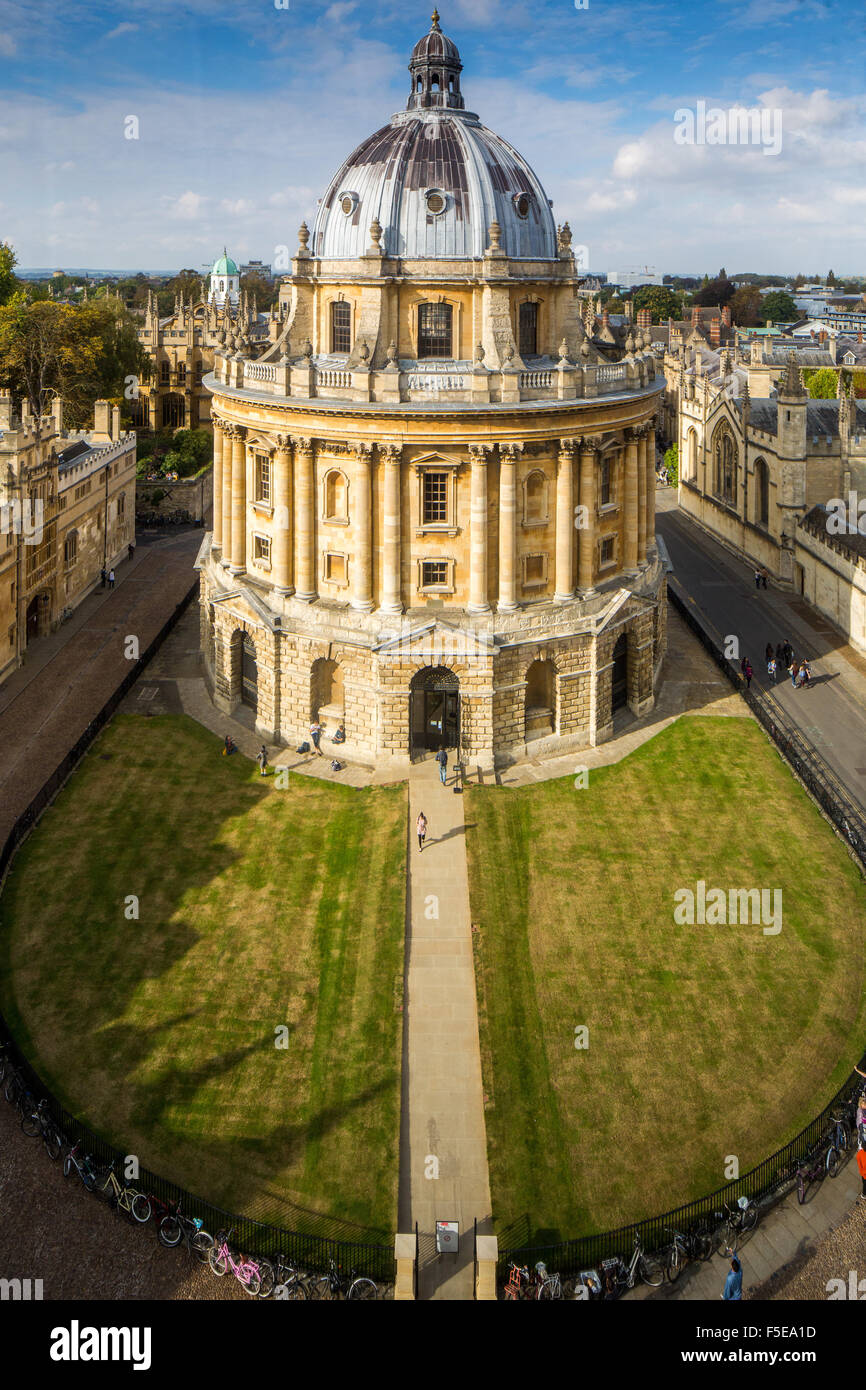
181 373
434 574
164 371
435 498
528 336
70 548
121 504
262 550
263 478
335 568
607 550
606 488
434 330
341 326
533 569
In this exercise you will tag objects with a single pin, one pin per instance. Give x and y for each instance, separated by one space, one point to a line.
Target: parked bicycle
815 1167
176 1226
735 1222
250 1274
335 1284
617 1276
120 1195
291 1283
694 1244
547 1285
37 1123
82 1164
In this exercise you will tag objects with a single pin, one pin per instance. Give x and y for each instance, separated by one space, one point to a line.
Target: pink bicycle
257 1278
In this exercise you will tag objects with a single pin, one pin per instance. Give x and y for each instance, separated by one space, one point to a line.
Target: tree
746 306
778 307
83 353
190 451
821 383
799 280
266 294
723 274
8 279
672 464
186 282
715 292
858 384
661 301
831 279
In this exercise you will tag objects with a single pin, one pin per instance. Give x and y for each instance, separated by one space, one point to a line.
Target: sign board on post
447 1238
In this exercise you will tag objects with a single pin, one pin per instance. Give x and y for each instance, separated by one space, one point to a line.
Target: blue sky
245 110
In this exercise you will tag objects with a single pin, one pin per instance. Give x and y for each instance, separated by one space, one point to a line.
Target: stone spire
791 386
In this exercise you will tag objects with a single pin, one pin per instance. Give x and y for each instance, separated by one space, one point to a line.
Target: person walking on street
746 669
421 828
764 577
769 653
315 735
805 672
442 760
734 1283
131 549
795 671
757 579
771 670
262 761
103 575
111 579
788 653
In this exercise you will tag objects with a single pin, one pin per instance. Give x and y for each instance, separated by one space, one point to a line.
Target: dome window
521 204
348 203
436 201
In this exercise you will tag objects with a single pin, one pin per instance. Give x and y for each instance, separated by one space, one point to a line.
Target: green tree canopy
821 383
266 294
778 307
661 301
81 352
746 306
715 292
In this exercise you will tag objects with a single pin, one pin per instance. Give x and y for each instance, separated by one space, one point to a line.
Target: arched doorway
249 673
619 685
539 705
327 700
434 710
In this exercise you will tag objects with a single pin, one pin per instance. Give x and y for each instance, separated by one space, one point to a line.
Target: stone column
226 497
587 533
651 489
362 529
217 538
641 498
565 523
239 500
630 506
391 455
282 571
508 456
305 520
478 454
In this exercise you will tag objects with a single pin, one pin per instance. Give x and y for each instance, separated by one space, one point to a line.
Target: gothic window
341 326
528 330
762 493
434 330
725 467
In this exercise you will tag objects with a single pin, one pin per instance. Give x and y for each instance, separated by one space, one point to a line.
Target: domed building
435 490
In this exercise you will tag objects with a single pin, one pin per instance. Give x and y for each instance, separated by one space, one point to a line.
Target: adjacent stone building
434 492
67 508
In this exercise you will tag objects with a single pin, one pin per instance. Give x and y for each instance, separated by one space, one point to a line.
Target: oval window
347 205
435 201
521 202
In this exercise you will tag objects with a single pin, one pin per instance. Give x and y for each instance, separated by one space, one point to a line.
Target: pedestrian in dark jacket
769 654
734 1282
442 760
748 673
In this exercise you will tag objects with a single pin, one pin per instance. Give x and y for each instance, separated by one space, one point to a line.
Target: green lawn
258 907
704 1041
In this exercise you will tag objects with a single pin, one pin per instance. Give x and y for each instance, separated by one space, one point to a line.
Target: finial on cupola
434 19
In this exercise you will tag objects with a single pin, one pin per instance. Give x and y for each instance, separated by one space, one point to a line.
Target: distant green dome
224 266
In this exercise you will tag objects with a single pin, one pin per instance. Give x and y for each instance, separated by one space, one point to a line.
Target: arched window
762 493
434 330
341 326
528 330
725 467
336 497
535 497
692 452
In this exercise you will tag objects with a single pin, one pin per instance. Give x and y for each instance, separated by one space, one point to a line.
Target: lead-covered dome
435 178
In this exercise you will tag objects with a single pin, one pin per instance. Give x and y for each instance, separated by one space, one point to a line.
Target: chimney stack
726 315
715 331
102 421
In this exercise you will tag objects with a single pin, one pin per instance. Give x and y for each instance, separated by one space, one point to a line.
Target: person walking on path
315 735
746 668
861 1168
442 760
734 1283
262 761
757 579
764 576
805 672
228 747
787 653
111 579
130 550
103 575
795 671
769 654
771 670
421 828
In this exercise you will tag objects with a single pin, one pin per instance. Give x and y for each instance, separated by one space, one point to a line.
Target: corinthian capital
511 451
479 453
284 442
567 447
302 443
391 453
362 451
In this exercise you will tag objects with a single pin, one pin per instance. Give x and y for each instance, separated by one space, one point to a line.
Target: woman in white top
421 827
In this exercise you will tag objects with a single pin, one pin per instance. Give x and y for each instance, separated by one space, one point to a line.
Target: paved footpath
832 714
783 1237
443 1111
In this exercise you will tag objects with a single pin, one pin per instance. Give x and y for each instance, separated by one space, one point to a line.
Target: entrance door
434 710
619 694
33 618
249 674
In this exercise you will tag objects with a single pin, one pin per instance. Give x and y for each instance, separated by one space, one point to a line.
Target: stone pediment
435 641
435 459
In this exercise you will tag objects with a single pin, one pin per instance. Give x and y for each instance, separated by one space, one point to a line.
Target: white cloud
122 29
187 207
8 46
